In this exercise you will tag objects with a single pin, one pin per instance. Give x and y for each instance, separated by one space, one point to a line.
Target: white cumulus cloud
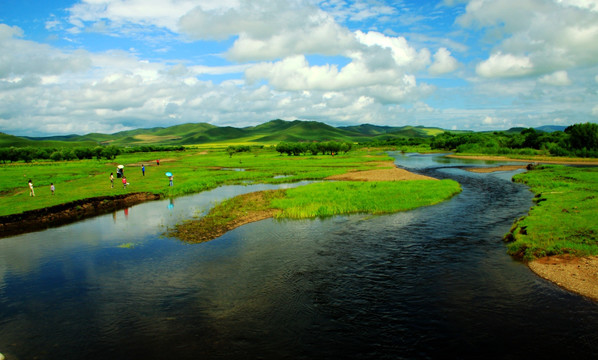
295 73
443 62
558 78
404 55
552 35
505 65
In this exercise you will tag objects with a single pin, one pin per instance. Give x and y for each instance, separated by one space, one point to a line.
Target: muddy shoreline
54 216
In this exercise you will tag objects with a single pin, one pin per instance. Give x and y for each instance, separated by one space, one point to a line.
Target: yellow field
149 139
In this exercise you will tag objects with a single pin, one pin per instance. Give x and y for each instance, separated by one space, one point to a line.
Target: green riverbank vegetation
579 140
317 200
194 170
563 219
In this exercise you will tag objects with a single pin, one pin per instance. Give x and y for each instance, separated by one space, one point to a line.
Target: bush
56 156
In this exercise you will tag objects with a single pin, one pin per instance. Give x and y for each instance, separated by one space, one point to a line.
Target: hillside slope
271 132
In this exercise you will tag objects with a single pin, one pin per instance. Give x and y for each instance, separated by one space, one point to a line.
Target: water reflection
430 283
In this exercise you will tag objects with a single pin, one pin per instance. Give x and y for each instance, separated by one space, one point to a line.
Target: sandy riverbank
576 274
391 174
537 160
496 168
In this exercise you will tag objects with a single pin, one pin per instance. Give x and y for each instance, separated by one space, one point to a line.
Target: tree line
580 140
29 153
314 148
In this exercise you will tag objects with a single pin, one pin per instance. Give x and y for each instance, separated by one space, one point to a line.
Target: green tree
583 136
110 152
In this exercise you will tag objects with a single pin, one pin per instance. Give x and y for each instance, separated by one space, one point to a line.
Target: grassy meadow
349 197
563 220
195 170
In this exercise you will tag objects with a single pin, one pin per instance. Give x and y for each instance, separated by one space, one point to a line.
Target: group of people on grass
32 192
119 172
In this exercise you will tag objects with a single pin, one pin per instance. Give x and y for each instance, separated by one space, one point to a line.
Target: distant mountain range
545 128
271 132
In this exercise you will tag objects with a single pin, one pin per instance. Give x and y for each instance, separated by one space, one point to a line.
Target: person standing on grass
52 188
124 182
171 178
31 192
143 169
111 180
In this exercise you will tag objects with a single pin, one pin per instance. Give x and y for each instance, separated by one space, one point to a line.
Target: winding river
435 282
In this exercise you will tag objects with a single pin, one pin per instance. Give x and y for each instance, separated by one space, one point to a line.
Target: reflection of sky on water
135 225
24 253
423 161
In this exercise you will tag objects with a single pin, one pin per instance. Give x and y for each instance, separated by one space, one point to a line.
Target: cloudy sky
86 66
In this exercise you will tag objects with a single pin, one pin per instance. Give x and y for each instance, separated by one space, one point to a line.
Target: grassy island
321 199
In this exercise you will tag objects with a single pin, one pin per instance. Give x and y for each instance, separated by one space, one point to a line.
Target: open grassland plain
194 170
321 199
561 229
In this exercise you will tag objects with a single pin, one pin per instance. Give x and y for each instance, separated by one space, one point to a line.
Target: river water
435 282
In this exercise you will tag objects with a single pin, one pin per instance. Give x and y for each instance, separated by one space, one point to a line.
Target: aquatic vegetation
126 246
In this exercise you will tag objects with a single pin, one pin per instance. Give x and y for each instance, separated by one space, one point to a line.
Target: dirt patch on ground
576 274
62 214
497 168
394 174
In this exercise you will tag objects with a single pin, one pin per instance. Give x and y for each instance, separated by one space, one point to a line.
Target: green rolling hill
271 132
7 140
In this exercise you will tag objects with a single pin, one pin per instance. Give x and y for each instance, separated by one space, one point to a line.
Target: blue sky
110 65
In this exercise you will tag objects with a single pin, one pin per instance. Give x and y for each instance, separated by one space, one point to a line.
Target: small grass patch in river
316 200
349 197
126 246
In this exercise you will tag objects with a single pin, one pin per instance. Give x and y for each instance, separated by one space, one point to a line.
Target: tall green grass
564 219
348 197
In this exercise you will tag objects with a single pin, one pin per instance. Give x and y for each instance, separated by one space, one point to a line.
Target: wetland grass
563 219
372 197
323 199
